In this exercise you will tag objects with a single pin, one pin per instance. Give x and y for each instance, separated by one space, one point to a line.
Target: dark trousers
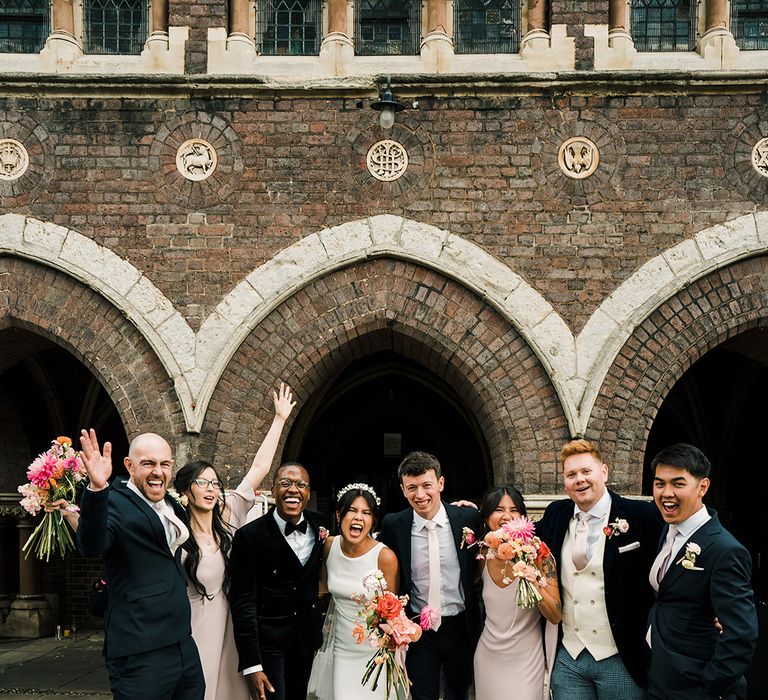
288 672
169 673
448 650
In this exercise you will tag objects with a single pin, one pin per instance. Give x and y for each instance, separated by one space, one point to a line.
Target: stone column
62 46
537 36
619 37
436 47
5 600
337 49
618 16
717 45
158 39
716 15
30 614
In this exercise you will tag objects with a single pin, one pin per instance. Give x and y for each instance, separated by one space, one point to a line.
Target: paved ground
45 668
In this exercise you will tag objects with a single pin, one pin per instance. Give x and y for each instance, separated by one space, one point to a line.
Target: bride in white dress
348 558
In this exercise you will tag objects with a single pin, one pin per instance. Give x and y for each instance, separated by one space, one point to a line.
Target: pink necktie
661 563
433 598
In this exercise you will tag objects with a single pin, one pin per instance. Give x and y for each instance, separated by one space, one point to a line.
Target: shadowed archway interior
371 415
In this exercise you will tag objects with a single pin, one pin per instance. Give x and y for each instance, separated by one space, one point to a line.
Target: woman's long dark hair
183 483
492 499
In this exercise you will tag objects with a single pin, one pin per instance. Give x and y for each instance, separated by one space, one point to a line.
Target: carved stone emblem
387 160
14 159
196 159
578 157
760 157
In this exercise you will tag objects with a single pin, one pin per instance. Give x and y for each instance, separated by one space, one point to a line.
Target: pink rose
402 630
429 616
506 551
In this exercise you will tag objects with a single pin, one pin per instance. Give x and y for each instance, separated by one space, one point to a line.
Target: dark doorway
720 406
46 392
370 416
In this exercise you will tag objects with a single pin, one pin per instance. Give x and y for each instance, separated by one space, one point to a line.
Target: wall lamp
387 105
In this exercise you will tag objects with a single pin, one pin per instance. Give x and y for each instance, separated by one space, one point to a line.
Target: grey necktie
579 553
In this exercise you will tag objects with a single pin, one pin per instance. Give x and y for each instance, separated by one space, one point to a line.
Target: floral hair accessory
361 487
617 527
688 560
181 499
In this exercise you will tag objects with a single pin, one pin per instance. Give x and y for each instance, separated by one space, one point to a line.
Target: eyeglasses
287 483
203 483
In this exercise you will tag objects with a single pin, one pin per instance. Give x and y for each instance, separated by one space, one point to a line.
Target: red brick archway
395 305
697 319
55 306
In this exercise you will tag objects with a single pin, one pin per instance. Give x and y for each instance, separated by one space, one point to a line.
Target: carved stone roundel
578 157
196 159
14 159
760 157
387 160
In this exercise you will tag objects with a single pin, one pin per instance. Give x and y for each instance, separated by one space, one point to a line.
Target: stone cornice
151 86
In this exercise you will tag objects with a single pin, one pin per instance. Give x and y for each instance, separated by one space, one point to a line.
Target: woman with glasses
212 521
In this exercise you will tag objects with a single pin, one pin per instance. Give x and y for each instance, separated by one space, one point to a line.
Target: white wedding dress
345 579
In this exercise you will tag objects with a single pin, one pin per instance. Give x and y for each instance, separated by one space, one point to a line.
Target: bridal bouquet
514 543
57 473
388 630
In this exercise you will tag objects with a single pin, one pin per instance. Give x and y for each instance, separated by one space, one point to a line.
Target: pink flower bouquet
53 475
515 543
389 632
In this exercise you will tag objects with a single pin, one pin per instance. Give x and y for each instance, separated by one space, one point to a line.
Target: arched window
749 24
115 26
663 25
487 26
387 27
24 25
289 27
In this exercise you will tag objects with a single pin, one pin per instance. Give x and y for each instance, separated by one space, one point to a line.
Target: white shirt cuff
252 669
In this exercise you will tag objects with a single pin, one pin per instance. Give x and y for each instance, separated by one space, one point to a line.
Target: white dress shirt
685 531
176 533
451 594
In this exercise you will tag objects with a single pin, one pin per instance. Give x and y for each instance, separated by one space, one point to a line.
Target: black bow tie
299 527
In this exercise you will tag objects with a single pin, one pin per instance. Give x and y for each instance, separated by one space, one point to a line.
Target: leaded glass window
487 26
749 24
664 25
24 25
387 27
115 26
289 27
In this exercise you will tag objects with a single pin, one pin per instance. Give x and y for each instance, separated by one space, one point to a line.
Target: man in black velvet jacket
275 572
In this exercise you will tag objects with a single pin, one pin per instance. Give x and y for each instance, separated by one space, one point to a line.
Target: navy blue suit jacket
148 604
628 595
396 534
687 651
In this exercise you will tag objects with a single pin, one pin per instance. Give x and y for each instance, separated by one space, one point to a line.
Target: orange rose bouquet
388 630
56 474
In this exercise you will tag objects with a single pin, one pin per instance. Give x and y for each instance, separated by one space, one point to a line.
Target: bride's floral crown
361 487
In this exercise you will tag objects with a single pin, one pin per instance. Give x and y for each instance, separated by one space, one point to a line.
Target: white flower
374 581
693 548
623 525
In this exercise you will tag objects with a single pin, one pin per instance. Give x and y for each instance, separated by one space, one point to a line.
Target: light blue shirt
451 594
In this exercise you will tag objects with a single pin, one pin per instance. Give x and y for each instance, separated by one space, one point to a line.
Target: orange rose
492 540
63 440
506 551
543 552
388 606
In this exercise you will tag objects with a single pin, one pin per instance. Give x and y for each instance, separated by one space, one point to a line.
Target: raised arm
262 462
93 532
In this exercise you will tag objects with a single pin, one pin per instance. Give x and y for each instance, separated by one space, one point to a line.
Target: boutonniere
688 560
617 527
322 533
182 499
467 537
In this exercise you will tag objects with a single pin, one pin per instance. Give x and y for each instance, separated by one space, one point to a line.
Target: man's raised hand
97 464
